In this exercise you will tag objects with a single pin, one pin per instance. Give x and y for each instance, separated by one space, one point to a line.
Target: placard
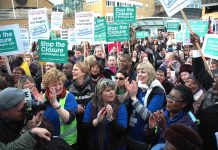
53 51
173 6
210 46
84 26
117 32
125 14
56 20
10 40
38 24
100 29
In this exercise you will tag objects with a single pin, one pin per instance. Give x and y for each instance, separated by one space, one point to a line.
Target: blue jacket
139 114
115 130
51 115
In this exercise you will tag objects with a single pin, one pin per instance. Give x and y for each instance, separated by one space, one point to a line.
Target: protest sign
38 24
24 33
27 94
124 14
173 6
210 46
117 32
72 37
64 34
53 51
100 29
179 36
172 26
56 20
142 34
10 40
154 32
198 27
84 26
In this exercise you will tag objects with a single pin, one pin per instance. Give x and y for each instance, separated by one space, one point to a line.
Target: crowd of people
154 94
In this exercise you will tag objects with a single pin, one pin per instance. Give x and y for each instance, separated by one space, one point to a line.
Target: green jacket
25 142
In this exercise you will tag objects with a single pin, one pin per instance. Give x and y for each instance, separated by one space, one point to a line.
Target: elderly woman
147 96
178 110
83 88
61 106
105 119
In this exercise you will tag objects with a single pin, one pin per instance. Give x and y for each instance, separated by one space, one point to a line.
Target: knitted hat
164 69
185 68
183 138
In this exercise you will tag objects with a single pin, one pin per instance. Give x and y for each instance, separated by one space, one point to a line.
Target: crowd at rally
154 94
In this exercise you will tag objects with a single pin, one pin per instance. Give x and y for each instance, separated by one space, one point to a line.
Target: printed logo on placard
169 3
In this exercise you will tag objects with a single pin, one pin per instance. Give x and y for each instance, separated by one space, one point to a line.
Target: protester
17 72
61 106
82 88
197 91
105 119
147 96
161 75
67 70
178 110
96 72
180 137
49 65
121 92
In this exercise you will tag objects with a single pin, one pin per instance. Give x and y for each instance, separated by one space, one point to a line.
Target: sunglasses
120 78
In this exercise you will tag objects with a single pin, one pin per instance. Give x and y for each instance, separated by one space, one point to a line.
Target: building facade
144 8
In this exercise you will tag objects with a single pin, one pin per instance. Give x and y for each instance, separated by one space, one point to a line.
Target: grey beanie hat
10 97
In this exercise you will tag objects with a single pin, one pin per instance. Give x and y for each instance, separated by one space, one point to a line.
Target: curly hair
53 75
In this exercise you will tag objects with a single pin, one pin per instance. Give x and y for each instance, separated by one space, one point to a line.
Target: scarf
149 89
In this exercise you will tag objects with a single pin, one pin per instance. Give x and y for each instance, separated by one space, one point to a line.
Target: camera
32 107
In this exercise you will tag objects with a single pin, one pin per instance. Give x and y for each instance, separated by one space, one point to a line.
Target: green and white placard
53 51
117 32
142 34
125 14
210 46
10 40
100 29
172 26
198 27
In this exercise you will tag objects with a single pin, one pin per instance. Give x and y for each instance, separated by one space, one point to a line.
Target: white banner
64 34
72 37
38 24
56 20
173 6
10 40
84 26
24 33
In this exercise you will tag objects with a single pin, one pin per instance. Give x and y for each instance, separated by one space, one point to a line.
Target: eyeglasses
173 98
120 78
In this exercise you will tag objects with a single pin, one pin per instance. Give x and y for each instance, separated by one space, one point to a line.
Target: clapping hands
157 119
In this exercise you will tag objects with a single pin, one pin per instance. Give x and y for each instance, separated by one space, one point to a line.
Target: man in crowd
12 122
